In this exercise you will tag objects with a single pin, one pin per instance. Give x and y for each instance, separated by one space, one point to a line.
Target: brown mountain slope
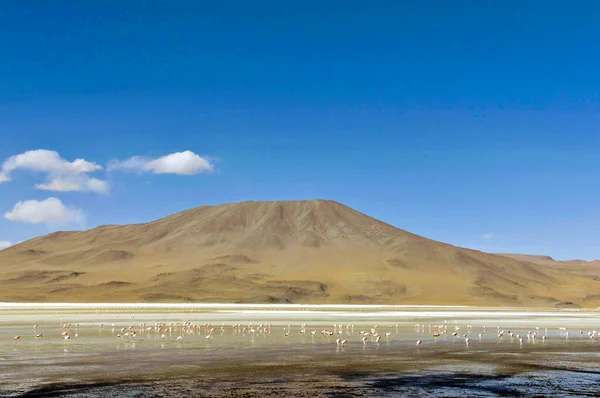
288 251
585 271
547 260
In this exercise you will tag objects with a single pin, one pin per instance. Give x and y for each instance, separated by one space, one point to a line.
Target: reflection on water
116 349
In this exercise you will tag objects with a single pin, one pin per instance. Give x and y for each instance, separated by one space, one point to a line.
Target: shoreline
298 307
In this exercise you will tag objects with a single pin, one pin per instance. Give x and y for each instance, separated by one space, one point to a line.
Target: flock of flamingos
181 331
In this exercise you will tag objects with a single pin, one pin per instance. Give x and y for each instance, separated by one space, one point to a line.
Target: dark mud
295 374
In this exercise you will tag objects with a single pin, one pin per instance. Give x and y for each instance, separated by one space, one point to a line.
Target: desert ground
314 251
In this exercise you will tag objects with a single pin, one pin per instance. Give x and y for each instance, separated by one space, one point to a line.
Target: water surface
266 362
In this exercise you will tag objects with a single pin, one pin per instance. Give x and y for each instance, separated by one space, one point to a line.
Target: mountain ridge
314 251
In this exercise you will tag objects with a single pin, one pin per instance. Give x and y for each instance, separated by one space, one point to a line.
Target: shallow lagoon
235 362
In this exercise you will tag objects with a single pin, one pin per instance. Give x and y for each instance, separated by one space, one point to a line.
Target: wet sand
96 363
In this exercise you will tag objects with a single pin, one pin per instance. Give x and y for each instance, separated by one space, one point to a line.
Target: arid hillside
315 251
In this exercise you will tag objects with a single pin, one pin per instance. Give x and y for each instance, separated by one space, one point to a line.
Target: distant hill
314 251
527 257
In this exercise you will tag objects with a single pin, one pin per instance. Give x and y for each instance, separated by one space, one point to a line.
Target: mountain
547 260
314 251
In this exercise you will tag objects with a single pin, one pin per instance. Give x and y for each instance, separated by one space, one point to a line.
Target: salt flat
262 350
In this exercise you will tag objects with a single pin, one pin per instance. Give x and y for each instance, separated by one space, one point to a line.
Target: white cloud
62 176
487 236
4 244
48 161
80 184
96 185
4 177
60 185
51 211
183 163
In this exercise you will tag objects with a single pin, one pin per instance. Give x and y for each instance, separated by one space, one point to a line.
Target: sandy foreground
237 362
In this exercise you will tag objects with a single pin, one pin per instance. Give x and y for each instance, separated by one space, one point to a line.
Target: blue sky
471 122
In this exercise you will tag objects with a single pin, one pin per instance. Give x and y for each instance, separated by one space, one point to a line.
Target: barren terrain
313 251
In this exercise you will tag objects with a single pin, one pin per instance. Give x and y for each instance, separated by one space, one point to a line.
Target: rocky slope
314 251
